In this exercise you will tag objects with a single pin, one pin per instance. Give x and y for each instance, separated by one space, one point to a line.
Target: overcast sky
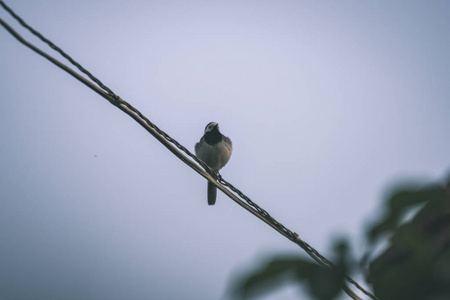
327 104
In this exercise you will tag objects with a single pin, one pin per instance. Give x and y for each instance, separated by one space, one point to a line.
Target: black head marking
212 134
211 126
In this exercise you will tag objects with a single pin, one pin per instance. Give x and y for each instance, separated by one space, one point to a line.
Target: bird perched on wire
215 150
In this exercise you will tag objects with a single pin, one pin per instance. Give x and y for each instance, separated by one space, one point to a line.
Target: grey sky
327 103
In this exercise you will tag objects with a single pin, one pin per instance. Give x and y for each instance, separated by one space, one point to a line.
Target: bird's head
211 127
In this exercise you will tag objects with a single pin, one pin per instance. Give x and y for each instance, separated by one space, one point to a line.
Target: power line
169 142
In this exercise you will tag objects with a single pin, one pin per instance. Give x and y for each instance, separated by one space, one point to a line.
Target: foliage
321 283
415 265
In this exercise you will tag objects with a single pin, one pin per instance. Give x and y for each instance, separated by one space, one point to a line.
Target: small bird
215 150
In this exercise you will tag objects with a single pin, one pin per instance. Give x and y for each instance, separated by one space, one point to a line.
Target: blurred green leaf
271 276
322 283
399 203
414 266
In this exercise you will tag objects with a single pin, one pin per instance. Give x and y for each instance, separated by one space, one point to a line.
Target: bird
215 150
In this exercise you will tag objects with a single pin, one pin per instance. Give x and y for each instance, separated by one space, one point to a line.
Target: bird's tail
212 193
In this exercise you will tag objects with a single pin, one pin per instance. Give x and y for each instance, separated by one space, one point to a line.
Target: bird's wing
198 145
227 140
